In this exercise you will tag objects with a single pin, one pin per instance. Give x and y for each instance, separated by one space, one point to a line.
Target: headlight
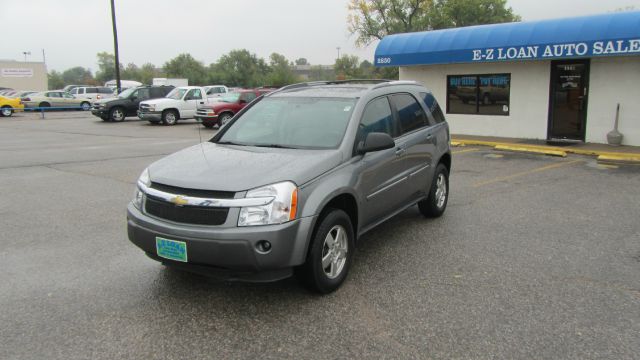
102 106
283 208
152 108
143 181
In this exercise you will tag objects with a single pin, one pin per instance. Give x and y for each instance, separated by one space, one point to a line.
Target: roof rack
396 82
378 82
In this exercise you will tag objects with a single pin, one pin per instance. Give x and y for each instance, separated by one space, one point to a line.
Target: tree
346 67
131 72
280 71
240 68
149 71
372 20
302 61
78 75
106 67
185 66
55 80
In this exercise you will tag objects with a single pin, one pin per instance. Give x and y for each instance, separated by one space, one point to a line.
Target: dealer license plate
171 249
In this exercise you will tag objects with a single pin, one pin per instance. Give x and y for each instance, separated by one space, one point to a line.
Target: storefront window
478 94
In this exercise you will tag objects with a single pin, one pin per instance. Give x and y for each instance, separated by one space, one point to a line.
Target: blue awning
614 34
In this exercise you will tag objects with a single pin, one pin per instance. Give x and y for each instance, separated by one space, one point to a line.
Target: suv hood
158 101
209 166
107 100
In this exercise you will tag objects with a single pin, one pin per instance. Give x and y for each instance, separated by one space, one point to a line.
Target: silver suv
294 180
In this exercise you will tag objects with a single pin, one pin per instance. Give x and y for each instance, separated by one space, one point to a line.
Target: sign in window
478 94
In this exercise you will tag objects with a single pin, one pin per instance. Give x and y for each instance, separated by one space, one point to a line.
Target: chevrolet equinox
293 180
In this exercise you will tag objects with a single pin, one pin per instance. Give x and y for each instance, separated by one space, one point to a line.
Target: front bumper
100 112
150 115
207 119
227 252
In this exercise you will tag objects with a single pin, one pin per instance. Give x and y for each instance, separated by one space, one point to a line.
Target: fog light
263 246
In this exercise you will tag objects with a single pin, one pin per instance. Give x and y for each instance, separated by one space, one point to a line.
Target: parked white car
92 93
180 103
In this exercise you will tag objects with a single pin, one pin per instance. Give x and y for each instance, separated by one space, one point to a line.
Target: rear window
105 90
410 113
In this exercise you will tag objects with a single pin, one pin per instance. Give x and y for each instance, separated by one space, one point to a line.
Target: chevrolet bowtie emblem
179 200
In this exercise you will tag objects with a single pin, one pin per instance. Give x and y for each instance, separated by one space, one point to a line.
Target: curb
602 156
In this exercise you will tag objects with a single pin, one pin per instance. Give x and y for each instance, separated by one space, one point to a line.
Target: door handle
400 151
429 136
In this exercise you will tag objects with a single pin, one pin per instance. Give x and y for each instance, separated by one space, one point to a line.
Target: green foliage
78 75
346 67
149 71
373 19
302 61
185 66
280 71
106 67
55 80
240 68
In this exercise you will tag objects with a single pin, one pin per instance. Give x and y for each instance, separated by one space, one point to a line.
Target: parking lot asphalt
536 257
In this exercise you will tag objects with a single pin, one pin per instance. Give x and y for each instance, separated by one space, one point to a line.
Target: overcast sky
72 31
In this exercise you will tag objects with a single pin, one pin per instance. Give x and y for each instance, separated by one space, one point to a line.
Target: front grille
197 215
207 194
144 107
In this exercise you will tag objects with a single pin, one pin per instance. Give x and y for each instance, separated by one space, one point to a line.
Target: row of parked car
211 105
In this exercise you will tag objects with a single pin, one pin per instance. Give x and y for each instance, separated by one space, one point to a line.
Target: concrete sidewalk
605 153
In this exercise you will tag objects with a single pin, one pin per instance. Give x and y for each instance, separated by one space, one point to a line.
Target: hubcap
334 252
171 118
441 190
225 119
6 112
117 115
85 106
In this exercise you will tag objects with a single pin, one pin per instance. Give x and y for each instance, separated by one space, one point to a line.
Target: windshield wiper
230 143
277 146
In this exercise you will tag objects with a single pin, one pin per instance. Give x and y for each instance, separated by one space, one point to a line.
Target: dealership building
557 80
21 75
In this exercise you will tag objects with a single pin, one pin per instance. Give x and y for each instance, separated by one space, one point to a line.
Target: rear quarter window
433 107
410 113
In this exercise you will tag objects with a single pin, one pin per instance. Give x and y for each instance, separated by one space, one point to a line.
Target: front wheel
6 111
170 117
116 114
224 118
330 253
434 205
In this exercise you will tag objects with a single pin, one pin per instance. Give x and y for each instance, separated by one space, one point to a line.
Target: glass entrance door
568 102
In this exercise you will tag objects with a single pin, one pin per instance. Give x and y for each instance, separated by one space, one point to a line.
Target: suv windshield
177 93
311 123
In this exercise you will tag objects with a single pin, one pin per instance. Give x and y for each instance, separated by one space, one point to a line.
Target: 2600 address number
383 60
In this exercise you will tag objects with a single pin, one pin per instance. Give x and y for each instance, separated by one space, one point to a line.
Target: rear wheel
85 106
6 111
436 203
169 117
44 105
116 114
330 253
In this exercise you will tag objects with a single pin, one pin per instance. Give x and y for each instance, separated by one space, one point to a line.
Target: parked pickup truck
127 102
181 103
221 111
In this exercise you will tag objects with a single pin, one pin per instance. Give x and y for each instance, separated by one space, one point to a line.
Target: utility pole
338 48
115 45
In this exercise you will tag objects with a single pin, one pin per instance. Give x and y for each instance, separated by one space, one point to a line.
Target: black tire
433 206
85 106
6 111
170 117
224 118
44 104
312 273
208 126
117 114
104 118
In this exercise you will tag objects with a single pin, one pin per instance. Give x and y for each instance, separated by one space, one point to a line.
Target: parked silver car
294 180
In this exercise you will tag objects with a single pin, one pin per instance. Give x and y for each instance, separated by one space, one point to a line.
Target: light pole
25 53
115 46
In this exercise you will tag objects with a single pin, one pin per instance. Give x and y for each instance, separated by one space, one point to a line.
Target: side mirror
376 141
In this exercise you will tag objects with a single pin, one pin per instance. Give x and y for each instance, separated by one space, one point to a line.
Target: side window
80 90
410 113
54 94
92 90
433 107
143 94
105 90
248 97
376 118
67 96
194 94
74 91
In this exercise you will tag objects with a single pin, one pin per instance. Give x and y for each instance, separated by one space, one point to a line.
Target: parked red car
223 110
